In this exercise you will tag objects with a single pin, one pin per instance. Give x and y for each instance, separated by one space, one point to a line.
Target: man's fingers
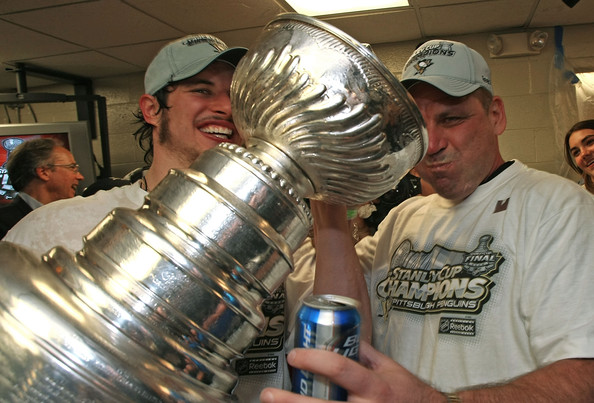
272 395
349 374
373 359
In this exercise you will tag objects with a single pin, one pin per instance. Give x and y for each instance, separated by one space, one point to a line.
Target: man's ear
150 109
42 173
497 115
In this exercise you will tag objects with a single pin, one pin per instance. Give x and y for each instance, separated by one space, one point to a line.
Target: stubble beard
184 155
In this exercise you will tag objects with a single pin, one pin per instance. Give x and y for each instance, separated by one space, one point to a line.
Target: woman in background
579 151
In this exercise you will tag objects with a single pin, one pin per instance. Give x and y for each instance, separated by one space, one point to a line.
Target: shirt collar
30 200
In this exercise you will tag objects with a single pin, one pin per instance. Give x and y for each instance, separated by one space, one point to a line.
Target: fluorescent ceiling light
326 7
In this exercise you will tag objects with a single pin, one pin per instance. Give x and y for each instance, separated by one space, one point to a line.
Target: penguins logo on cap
422 65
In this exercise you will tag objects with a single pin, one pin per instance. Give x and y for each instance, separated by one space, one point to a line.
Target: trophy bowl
325 108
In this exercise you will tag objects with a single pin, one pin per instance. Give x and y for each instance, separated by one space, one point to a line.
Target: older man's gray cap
450 66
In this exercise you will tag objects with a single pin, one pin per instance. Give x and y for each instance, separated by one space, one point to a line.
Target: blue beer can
328 322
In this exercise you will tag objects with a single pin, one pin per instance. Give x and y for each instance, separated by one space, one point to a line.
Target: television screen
74 136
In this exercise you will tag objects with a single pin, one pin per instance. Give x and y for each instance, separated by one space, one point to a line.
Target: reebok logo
457 326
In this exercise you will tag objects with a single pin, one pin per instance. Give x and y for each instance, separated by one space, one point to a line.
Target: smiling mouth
220 132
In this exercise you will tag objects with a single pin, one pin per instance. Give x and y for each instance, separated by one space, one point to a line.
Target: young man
41 171
186 110
481 292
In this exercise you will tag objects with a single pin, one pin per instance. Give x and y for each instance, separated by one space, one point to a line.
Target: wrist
324 212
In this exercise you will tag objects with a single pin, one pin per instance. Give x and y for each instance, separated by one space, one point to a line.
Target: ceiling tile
208 16
475 17
97 24
391 26
138 55
19 44
7 7
240 37
86 64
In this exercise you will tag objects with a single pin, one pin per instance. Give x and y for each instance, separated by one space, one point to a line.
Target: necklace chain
143 184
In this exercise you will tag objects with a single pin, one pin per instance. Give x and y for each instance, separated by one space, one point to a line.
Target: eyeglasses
73 167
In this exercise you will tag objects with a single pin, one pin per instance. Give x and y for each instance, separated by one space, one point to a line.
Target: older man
41 171
481 292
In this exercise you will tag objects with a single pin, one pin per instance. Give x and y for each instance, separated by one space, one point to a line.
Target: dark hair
144 134
26 157
584 124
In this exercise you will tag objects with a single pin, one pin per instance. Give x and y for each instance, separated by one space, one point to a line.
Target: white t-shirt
584 187
488 289
66 222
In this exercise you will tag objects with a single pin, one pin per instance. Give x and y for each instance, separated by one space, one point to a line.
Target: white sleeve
48 226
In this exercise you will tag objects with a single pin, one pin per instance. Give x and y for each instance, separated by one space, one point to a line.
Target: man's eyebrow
197 80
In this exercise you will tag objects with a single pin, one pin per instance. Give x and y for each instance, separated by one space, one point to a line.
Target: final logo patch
441 280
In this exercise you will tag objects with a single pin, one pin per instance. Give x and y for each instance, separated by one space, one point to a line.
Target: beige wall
122 94
523 83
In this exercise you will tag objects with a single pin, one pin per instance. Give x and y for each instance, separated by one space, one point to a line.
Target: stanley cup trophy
160 300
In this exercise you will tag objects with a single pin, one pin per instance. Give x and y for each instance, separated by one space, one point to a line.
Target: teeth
218 130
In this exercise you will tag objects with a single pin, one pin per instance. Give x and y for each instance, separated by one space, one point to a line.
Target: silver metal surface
161 299
331 107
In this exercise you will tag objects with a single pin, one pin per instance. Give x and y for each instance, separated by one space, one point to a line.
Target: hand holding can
328 322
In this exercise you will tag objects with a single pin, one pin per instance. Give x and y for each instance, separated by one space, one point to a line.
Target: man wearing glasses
41 171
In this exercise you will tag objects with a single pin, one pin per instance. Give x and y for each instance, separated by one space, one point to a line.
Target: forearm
569 380
337 266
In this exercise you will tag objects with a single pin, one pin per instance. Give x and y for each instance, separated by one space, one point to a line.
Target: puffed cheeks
367 380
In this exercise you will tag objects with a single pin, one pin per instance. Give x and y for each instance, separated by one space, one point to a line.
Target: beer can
328 322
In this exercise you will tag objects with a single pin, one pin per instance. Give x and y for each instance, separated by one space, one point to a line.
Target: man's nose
437 140
222 104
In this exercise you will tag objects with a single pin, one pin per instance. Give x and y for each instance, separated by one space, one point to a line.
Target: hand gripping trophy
159 300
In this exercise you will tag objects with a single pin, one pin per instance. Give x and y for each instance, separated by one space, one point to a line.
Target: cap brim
231 55
451 86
